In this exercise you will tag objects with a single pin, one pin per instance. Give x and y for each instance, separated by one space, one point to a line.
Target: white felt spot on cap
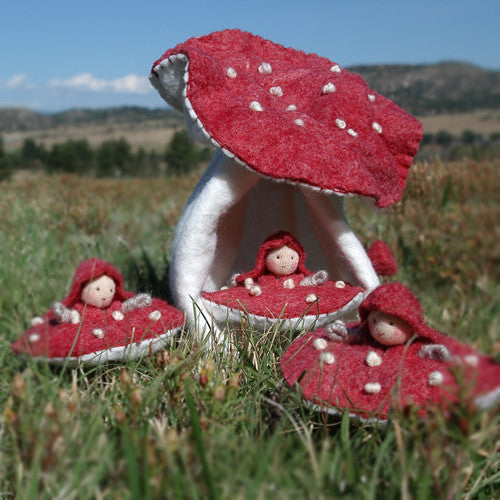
33 338
155 315
311 298
471 360
352 132
376 126
329 88
299 122
335 68
117 315
371 97
98 333
436 378
255 106
340 123
231 73
340 284
373 359
265 68
320 344
37 320
373 388
255 291
327 357
292 107
277 91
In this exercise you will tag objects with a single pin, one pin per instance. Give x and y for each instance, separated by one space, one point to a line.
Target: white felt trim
379 422
489 399
121 353
224 315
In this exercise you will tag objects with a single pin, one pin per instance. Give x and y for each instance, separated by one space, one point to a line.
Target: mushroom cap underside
290 116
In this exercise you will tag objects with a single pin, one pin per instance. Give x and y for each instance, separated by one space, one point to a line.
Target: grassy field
196 424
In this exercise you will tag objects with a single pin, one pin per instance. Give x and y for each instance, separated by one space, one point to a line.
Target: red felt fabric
346 156
279 302
382 259
69 340
403 375
56 340
91 269
278 240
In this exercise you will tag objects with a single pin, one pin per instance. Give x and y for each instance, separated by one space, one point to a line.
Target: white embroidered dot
265 68
373 359
292 107
327 357
352 132
248 283
340 284
117 315
155 315
231 73
255 106
298 121
75 317
340 123
255 291
320 344
471 360
371 97
311 298
329 88
435 378
34 337
37 320
98 333
373 388
335 68
277 91
376 126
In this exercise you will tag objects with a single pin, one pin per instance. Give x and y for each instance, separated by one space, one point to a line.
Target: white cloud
129 84
15 82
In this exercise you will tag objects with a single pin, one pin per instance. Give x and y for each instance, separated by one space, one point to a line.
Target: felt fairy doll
99 321
390 359
280 259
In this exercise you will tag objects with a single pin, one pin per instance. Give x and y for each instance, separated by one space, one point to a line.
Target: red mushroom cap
289 115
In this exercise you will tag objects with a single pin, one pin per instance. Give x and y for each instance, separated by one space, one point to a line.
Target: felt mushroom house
389 361
295 133
99 321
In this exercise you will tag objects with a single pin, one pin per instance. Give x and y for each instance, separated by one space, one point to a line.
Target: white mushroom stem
332 228
196 257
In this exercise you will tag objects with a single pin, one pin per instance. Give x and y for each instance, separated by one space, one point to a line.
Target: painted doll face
387 329
99 292
282 261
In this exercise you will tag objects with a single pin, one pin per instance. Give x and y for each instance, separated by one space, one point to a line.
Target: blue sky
60 54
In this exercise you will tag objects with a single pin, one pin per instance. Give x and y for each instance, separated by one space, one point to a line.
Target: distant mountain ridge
447 87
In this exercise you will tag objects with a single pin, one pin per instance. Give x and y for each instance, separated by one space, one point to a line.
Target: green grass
190 423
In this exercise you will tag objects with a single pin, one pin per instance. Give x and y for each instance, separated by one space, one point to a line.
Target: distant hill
448 87
21 119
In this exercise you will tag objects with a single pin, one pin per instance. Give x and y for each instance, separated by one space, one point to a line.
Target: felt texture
260 293
290 116
230 213
275 241
368 379
383 260
101 333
